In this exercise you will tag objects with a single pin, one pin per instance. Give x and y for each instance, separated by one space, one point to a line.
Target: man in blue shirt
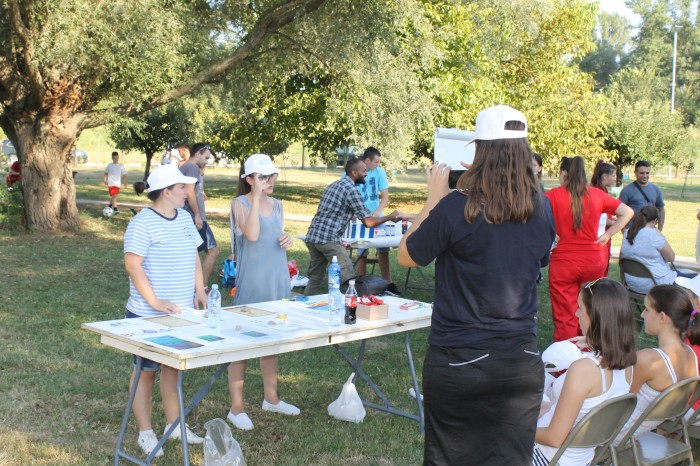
375 195
642 192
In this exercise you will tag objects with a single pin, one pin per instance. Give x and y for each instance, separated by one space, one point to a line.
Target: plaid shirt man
339 202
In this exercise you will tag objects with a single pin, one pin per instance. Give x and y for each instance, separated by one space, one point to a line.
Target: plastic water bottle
336 305
333 274
351 304
214 318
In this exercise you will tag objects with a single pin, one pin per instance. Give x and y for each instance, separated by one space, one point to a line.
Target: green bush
12 207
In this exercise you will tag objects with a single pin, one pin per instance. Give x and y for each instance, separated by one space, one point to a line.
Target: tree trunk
147 171
43 148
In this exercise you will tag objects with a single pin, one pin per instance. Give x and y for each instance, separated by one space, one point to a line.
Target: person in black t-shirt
482 375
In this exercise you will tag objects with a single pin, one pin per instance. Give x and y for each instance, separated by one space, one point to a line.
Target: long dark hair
243 185
675 303
601 168
501 183
645 215
575 183
611 332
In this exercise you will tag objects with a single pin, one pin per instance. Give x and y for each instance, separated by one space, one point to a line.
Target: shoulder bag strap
641 191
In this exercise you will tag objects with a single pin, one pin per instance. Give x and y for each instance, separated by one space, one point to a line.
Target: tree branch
270 22
20 29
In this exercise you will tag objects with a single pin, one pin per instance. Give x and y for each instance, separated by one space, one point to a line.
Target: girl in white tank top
606 320
668 314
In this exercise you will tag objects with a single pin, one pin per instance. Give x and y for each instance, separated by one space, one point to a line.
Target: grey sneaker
148 442
192 438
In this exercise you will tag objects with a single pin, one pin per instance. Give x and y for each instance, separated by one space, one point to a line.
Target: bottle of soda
351 304
333 274
214 307
335 303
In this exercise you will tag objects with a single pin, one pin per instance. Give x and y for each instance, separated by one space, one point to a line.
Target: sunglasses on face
272 177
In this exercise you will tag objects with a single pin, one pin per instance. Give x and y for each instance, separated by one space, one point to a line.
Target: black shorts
209 242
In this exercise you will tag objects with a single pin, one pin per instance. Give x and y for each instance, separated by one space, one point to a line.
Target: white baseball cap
259 163
167 175
693 284
491 124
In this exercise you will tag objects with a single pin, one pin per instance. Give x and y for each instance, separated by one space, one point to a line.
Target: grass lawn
64 393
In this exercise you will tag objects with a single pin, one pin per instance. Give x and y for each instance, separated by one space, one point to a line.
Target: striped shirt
169 249
339 202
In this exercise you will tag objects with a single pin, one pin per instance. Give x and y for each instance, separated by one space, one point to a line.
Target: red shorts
113 190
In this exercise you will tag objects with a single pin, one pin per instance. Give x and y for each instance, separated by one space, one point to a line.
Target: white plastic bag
348 406
220 448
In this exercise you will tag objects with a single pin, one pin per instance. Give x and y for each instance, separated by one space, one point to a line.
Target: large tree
521 53
73 64
162 128
641 127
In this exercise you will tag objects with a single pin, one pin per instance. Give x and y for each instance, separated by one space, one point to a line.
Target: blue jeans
482 402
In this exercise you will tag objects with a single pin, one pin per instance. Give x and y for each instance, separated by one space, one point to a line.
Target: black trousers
482 402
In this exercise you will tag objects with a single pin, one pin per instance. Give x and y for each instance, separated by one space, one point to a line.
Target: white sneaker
240 421
281 407
192 438
148 442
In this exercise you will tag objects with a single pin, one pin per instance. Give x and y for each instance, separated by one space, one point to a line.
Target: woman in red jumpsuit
581 254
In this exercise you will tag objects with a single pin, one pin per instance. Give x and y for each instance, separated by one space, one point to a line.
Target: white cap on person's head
259 163
491 124
693 284
167 175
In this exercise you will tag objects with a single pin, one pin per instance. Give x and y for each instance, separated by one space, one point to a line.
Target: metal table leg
426 284
356 364
196 399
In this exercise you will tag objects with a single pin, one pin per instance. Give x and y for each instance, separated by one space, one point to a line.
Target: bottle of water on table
214 319
333 274
336 304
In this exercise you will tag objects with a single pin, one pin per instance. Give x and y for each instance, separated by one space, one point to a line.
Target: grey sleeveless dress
262 273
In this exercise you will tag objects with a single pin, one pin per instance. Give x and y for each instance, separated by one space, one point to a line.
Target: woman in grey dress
260 247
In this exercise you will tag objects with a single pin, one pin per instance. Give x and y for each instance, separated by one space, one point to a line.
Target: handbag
366 285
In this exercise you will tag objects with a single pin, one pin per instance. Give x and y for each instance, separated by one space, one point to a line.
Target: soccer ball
107 211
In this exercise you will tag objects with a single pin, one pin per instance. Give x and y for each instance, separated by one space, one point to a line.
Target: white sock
144 432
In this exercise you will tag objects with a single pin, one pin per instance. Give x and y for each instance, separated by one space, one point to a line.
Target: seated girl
606 320
668 315
644 243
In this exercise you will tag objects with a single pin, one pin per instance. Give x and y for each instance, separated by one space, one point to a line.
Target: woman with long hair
580 254
604 177
165 276
606 319
483 376
668 315
643 242
259 245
